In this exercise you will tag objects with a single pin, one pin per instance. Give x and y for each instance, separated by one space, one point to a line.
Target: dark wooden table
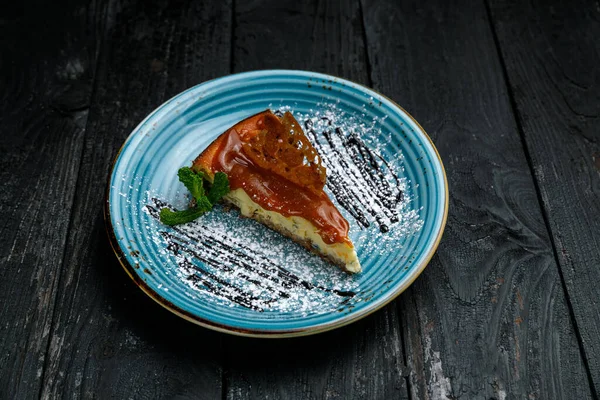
509 308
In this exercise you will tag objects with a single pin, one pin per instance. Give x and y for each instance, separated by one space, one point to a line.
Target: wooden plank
359 361
552 58
311 35
364 360
45 87
488 318
109 340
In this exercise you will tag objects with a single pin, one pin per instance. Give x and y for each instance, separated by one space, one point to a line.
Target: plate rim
275 333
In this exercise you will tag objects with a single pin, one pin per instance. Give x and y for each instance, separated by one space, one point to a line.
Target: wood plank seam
406 372
364 38
517 116
232 47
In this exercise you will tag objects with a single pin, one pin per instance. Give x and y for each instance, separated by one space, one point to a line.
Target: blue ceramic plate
235 275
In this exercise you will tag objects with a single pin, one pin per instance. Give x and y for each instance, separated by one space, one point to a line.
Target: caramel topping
282 148
276 165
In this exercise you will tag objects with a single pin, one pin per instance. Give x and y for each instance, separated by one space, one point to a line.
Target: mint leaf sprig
194 182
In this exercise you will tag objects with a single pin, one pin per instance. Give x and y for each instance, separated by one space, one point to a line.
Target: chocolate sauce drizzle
357 176
198 247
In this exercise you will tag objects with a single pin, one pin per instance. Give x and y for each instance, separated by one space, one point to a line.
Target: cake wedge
277 178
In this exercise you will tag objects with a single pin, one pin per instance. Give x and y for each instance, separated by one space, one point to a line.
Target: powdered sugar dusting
236 267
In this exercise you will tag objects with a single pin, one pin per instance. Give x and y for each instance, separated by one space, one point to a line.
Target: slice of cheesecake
276 177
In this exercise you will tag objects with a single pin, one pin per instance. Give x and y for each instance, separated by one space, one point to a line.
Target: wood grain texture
319 36
44 96
109 340
364 360
488 318
551 52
